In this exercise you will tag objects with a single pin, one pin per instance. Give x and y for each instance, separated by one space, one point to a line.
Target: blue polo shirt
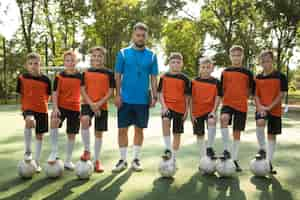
136 66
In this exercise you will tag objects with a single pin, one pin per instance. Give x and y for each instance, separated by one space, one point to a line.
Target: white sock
38 149
174 153
27 139
261 138
123 153
271 149
54 136
225 138
136 151
211 135
98 145
85 136
235 149
202 148
167 141
69 150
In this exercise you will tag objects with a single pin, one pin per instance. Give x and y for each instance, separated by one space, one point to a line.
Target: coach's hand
118 101
153 102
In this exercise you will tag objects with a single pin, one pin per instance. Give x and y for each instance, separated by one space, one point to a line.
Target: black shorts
239 120
73 120
41 120
177 120
100 121
199 125
274 123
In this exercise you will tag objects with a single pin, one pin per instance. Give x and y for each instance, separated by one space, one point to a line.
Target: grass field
187 184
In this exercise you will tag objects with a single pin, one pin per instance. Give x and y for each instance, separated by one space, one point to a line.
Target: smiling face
175 65
206 69
97 58
69 62
266 61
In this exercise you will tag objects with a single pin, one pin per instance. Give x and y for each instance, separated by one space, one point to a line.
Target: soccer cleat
261 154
28 156
167 155
120 166
98 167
69 166
211 153
52 158
272 171
136 166
85 156
226 155
237 166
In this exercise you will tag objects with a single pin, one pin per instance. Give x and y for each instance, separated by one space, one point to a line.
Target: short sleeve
283 83
119 66
18 88
219 89
82 82
187 87
154 68
49 86
55 83
112 83
251 83
160 84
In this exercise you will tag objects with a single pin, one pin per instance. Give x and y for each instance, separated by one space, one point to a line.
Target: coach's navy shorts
133 114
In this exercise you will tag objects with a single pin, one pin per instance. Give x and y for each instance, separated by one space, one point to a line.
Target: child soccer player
66 105
35 89
271 86
237 83
174 92
97 87
206 93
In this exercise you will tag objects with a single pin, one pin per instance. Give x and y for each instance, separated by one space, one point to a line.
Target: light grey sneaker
120 166
69 166
136 165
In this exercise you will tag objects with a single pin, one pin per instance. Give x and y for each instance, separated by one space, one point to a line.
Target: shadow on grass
270 189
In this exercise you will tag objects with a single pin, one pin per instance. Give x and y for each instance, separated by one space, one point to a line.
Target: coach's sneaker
69 166
28 156
98 167
136 166
261 154
272 170
237 166
211 153
52 158
167 155
85 156
120 166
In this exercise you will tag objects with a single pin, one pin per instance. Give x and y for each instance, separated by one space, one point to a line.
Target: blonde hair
101 49
70 53
33 55
175 55
236 48
205 60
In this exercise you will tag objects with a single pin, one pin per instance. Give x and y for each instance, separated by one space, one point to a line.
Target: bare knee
98 134
224 120
29 122
71 136
39 136
260 122
85 122
211 122
54 122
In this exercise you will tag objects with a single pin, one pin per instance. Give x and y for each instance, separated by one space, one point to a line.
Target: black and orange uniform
204 94
35 92
174 89
237 84
67 88
267 88
97 83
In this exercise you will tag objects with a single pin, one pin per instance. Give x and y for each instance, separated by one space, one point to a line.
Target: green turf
187 184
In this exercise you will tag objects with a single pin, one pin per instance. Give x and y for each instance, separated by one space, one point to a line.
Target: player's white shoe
120 166
136 165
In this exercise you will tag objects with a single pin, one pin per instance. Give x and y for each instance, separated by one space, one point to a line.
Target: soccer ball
55 170
259 167
207 165
26 169
84 169
167 168
225 168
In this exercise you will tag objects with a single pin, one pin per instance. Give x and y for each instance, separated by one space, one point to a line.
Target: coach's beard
140 46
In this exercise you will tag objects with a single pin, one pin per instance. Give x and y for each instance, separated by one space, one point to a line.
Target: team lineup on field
78 98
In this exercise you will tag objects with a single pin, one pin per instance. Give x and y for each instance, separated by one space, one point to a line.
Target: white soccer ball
225 168
167 168
54 170
26 169
207 165
84 169
259 167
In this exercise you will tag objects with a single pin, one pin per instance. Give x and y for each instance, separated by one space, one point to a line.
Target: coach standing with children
135 68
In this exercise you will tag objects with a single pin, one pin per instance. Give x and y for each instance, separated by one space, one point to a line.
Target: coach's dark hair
140 26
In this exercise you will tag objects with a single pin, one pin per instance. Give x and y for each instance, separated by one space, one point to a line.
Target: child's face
69 61
236 57
175 65
33 65
266 62
206 69
97 59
